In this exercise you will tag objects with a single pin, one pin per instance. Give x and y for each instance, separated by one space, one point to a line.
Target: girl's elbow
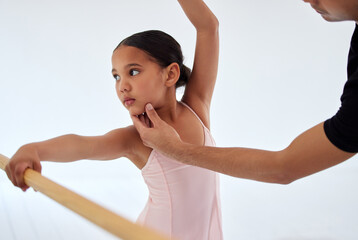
209 26
215 23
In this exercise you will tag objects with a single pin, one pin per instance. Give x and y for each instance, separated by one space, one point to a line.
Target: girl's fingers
37 166
19 175
9 175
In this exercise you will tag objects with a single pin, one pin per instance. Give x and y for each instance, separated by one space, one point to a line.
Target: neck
169 111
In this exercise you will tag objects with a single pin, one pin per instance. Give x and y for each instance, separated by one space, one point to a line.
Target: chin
330 18
134 111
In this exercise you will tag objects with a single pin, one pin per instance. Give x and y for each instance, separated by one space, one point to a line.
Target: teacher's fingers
138 124
147 121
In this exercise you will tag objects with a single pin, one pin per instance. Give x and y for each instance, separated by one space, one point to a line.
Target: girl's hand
26 157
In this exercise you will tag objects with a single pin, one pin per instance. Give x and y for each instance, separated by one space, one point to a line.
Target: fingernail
149 106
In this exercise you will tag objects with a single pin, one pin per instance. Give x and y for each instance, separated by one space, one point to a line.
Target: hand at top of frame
154 132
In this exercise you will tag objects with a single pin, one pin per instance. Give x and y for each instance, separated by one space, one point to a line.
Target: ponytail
185 73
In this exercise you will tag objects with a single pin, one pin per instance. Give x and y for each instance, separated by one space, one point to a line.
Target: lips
128 101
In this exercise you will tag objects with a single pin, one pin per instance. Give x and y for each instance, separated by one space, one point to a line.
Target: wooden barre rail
100 216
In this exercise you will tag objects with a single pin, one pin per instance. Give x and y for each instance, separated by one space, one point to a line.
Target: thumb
152 115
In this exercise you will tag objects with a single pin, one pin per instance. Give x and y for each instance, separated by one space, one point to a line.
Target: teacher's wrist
178 151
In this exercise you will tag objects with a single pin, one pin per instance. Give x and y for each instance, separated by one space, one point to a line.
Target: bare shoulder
114 144
128 132
128 140
200 108
124 139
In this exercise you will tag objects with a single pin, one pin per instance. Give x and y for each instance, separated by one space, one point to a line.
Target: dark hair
163 48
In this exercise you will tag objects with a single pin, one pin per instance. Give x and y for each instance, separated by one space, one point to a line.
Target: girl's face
336 10
139 79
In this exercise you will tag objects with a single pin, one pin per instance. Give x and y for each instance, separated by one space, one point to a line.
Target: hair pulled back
163 48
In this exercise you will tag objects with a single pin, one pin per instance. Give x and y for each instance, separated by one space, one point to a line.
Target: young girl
148 67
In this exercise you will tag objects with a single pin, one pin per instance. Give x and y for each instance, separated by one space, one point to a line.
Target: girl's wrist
33 148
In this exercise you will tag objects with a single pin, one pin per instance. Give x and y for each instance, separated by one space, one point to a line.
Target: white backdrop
282 70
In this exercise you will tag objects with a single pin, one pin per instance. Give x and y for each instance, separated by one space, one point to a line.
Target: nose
123 86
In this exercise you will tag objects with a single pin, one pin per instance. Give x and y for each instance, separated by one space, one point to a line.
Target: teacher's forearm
309 153
246 163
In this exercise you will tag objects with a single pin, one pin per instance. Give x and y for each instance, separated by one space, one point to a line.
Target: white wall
282 70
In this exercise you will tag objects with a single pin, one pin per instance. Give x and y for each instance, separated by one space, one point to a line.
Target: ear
173 74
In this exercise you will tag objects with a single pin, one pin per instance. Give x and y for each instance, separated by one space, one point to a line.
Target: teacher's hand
154 132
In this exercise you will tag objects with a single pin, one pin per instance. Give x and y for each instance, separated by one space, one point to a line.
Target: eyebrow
128 66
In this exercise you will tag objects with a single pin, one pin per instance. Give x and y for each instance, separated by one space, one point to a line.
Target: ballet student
184 201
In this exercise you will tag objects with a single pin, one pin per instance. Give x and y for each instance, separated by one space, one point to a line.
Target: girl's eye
117 77
133 72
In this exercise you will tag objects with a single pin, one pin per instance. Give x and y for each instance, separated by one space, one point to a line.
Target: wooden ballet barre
93 212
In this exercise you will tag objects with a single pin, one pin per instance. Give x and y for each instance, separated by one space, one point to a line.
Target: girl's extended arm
67 148
199 90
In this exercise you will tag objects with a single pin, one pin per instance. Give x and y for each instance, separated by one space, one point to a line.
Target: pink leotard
184 200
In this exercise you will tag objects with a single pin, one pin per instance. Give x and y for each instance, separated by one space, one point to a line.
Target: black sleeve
342 128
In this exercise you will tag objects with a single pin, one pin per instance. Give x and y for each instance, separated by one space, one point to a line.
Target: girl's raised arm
199 90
